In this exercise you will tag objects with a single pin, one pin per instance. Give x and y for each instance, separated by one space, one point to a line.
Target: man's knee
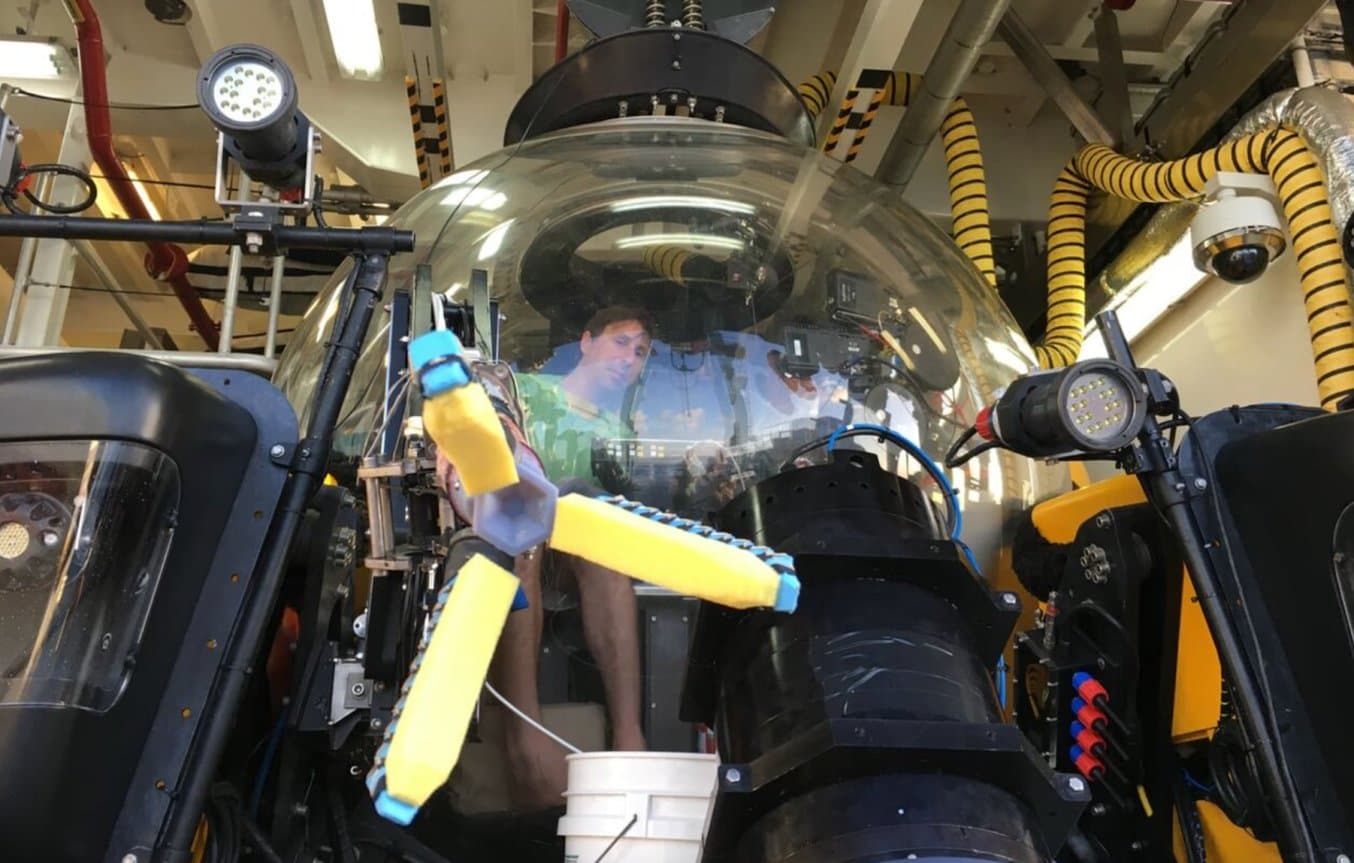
594 576
527 567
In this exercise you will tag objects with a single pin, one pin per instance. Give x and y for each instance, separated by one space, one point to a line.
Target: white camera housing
1238 230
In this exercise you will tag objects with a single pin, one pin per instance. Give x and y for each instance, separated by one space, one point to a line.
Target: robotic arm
516 508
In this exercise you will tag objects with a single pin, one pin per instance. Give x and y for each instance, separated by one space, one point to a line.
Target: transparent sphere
689 307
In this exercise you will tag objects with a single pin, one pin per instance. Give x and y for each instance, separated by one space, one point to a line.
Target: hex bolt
1102 520
733 775
1342 858
1010 599
278 451
50 539
1200 483
1076 784
359 689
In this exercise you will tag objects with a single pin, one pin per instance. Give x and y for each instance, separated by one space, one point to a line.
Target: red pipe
164 261
561 29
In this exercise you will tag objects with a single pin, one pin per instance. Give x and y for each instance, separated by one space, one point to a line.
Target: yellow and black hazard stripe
416 125
839 125
443 130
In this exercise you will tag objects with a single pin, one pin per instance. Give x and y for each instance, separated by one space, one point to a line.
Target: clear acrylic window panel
737 244
85 529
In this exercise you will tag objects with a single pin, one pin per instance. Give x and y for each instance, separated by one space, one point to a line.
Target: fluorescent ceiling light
25 58
731 243
357 42
475 196
466 178
141 193
695 202
493 241
1148 297
926 328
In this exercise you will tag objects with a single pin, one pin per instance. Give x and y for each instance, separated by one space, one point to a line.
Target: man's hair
604 318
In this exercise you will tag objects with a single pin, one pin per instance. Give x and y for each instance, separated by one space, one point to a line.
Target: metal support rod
17 290
1293 838
232 296
1044 69
969 31
274 304
1302 62
27 249
1166 487
1114 78
364 286
380 533
110 283
252 363
204 233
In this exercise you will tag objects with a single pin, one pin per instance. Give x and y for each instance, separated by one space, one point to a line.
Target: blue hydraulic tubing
920 455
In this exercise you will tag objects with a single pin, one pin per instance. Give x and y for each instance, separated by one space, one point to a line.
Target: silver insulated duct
970 29
1323 118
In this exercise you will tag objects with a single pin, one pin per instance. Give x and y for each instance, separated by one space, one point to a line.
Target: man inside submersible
557 419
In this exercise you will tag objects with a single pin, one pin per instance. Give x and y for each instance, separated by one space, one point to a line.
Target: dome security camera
1238 230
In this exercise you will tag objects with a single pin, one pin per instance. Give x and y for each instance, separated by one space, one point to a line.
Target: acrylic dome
686 304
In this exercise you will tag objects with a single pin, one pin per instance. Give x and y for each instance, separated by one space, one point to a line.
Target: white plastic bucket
666 794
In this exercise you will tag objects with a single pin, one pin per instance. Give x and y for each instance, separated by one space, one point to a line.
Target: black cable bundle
9 194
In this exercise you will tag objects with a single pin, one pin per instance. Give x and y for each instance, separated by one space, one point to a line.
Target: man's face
614 358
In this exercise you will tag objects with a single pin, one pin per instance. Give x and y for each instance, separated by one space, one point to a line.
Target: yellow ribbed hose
814 92
1280 153
1066 271
968 189
667 261
963 159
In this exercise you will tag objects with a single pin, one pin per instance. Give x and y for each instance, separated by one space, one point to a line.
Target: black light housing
249 94
1094 406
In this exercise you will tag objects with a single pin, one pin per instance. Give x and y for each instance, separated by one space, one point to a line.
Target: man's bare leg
535 762
610 625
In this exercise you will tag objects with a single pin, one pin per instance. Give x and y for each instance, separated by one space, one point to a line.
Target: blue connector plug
787 593
1079 678
1076 728
436 359
395 810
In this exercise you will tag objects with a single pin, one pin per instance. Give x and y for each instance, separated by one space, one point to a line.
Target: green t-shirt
561 432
